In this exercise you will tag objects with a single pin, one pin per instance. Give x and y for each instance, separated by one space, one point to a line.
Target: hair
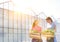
49 18
34 23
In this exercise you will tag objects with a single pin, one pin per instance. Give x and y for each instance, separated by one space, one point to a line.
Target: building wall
14 26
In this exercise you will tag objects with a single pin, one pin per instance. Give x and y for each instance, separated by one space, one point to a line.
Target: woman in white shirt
53 27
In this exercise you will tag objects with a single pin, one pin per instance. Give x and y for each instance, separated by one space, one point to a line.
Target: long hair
33 25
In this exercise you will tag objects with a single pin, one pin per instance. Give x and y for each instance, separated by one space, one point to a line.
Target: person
53 27
35 26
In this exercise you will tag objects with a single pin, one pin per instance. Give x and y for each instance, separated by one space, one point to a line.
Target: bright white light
20 5
49 7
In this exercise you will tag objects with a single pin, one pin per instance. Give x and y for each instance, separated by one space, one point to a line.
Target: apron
36 40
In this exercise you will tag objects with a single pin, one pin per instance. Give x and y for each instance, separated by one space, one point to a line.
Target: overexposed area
17 16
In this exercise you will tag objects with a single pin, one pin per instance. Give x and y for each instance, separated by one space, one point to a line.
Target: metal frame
8 20
13 21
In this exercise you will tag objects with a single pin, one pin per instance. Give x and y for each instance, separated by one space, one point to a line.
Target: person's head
49 20
35 23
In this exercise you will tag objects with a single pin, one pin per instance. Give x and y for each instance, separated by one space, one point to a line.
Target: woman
53 27
36 27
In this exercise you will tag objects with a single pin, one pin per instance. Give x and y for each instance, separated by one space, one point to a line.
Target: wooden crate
35 35
49 36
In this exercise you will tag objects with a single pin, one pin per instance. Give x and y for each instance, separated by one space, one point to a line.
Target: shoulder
53 24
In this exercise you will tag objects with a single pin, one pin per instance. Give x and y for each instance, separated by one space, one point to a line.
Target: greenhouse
15 25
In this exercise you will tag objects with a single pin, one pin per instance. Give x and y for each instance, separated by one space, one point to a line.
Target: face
49 21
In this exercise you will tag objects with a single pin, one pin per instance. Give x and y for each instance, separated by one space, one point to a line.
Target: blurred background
17 16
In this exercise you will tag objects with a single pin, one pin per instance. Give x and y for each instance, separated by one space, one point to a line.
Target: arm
55 28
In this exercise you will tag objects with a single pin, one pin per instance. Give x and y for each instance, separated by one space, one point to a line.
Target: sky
49 7
33 7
